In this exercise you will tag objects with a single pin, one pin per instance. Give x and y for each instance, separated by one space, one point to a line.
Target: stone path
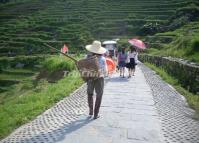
180 124
143 109
52 124
128 115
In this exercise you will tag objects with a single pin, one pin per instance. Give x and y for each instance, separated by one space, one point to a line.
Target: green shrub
28 61
23 107
123 43
4 63
58 63
192 11
195 45
152 51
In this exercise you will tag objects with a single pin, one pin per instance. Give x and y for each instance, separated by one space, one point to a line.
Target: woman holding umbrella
133 54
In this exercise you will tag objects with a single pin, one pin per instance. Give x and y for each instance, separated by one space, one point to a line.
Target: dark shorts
122 64
131 64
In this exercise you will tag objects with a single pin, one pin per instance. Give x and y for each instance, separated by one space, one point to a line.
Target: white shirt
103 66
136 58
132 55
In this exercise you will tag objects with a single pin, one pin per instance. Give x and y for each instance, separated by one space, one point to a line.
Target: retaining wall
186 73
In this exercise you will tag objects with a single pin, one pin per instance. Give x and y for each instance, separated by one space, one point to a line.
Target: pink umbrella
137 43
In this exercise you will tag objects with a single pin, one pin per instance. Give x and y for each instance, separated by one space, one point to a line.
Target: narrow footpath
140 109
128 115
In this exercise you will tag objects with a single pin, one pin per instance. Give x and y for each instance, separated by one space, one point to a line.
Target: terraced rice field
181 43
15 82
76 22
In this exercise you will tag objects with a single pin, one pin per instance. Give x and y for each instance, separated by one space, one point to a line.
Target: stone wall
186 73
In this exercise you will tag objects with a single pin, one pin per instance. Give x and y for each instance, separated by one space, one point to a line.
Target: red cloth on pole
64 49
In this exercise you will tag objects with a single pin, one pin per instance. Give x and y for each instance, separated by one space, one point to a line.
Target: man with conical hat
96 84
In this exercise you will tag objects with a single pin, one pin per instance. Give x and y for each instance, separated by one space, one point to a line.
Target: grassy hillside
178 37
181 43
26 92
76 22
25 24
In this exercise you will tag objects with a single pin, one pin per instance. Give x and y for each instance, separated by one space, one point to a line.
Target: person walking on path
122 57
96 84
132 61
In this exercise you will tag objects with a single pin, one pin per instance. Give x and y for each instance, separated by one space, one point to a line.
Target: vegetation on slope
23 95
182 43
182 16
76 22
178 37
24 24
57 63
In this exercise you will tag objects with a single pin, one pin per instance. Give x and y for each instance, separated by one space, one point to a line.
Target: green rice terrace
183 42
33 77
77 22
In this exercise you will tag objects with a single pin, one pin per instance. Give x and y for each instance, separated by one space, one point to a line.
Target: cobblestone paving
179 123
52 124
132 112
128 115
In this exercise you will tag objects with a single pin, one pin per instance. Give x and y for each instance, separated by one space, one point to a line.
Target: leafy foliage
24 101
24 24
58 63
181 43
181 17
24 95
28 62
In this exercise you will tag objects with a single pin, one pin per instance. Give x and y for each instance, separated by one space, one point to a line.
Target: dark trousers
98 86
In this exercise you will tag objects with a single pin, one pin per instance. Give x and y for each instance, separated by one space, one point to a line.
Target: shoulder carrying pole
61 52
